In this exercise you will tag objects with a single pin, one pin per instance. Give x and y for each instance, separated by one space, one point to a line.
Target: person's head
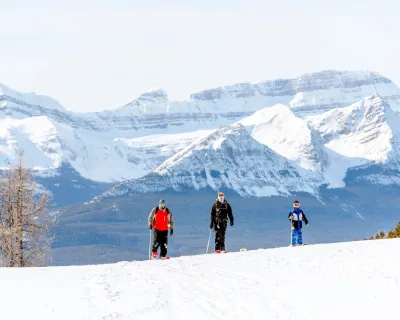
161 204
296 204
221 197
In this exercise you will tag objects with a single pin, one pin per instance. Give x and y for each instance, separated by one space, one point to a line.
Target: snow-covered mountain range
275 152
256 139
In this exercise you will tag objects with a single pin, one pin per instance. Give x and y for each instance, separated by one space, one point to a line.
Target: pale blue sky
93 55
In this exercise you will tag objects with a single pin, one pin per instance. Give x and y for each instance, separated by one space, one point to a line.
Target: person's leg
293 237
163 243
223 234
155 242
217 239
300 237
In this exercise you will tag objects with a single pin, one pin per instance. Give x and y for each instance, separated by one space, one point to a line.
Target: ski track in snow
354 280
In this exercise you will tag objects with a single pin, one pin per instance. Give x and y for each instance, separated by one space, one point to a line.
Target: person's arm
290 217
230 215
151 218
304 217
171 222
212 216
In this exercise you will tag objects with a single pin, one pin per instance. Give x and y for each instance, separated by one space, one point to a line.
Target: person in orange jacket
160 219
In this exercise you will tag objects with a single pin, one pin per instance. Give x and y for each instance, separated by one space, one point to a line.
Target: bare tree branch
24 229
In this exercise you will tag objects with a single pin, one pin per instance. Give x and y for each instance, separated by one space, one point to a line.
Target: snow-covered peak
150 102
361 130
226 158
154 95
11 96
288 135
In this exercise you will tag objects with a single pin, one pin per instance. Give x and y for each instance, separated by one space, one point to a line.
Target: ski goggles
296 205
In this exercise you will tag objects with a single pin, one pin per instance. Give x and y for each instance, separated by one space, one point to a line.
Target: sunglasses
297 205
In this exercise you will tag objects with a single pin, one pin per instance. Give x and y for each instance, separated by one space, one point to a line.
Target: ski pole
208 244
150 246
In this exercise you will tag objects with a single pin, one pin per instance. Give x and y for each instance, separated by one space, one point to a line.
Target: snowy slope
355 280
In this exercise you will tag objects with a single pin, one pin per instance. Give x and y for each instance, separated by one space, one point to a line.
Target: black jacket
220 212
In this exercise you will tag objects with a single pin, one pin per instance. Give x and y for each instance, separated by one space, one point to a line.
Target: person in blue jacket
297 216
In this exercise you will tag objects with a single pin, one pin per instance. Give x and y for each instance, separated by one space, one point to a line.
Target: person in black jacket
220 212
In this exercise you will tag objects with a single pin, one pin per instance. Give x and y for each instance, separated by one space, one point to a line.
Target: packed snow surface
355 280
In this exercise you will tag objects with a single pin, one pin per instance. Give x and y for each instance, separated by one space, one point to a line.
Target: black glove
150 227
211 225
231 223
171 232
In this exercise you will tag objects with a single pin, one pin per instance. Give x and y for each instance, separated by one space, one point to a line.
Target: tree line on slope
25 239
392 233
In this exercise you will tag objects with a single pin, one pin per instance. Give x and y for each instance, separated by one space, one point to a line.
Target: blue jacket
296 216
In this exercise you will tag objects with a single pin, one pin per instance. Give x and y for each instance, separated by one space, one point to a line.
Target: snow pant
160 240
297 234
220 232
